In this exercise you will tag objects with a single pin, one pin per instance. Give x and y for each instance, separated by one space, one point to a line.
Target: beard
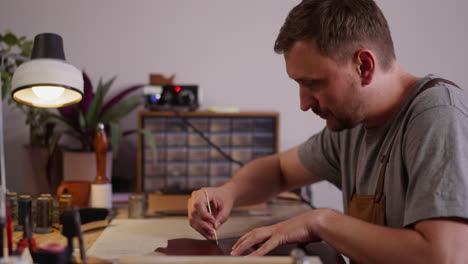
335 122
346 115
339 124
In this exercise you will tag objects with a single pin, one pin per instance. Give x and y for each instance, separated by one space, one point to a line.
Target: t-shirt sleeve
319 154
436 156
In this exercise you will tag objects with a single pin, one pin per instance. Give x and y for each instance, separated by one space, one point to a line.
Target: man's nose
307 100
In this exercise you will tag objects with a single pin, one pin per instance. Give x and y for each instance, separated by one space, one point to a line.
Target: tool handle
211 213
9 229
22 244
2 226
32 245
100 147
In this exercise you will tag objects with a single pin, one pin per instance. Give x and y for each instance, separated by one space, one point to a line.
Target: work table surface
281 209
104 243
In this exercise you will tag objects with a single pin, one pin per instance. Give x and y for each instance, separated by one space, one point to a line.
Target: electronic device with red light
171 97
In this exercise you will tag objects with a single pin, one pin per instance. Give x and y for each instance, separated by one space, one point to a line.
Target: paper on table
138 237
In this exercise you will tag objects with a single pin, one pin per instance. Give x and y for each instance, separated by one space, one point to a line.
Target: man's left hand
295 230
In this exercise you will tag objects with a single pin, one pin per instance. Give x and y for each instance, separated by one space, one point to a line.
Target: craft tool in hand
211 213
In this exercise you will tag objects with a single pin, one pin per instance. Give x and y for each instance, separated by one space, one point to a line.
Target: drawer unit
186 161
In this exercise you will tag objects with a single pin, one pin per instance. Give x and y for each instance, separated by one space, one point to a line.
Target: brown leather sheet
196 247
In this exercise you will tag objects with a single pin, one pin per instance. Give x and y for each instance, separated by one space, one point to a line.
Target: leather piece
191 247
195 247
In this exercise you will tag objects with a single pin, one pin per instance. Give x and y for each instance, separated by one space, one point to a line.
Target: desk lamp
46 81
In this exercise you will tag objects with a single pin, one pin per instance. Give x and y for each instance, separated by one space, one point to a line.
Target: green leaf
106 86
121 109
6 84
69 127
152 142
115 137
26 49
54 141
93 110
10 39
9 43
92 116
82 121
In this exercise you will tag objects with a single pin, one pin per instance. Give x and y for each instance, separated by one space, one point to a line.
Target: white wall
225 47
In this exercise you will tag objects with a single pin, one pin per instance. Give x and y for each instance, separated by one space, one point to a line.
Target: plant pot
37 177
81 166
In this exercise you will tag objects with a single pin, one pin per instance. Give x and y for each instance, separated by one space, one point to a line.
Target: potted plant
44 170
78 124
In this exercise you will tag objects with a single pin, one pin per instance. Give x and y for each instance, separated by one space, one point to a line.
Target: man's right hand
221 201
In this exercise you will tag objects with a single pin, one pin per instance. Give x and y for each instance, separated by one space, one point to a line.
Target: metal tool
209 209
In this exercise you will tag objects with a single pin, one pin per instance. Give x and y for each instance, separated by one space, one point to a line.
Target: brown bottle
100 147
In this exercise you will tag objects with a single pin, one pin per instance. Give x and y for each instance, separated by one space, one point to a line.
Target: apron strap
379 190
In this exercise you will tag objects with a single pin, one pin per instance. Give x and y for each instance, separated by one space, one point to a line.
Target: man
394 144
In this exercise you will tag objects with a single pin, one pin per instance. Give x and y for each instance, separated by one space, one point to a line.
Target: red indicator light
177 89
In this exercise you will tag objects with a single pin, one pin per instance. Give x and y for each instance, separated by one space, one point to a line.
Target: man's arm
441 240
264 178
256 182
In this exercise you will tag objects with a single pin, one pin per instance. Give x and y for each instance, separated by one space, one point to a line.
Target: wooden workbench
110 243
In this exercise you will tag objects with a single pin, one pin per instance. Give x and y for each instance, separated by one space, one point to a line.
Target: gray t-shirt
427 174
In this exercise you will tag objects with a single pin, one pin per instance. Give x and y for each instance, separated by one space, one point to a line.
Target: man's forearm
257 181
369 243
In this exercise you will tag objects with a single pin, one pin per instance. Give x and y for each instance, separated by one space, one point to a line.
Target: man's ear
365 65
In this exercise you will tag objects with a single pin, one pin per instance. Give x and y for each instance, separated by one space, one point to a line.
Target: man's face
330 90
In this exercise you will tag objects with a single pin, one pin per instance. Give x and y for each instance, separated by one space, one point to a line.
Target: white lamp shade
47 73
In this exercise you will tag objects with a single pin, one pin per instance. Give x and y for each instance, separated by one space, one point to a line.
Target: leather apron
371 208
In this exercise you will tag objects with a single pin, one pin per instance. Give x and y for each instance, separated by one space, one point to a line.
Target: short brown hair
340 28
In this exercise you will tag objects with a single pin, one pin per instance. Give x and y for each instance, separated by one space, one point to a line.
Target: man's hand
295 230
200 218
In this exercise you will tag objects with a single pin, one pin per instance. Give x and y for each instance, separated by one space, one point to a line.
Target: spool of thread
51 207
24 208
65 203
136 206
101 195
43 224
12 199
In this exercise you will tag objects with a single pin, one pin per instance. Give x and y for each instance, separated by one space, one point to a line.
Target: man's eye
311 85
